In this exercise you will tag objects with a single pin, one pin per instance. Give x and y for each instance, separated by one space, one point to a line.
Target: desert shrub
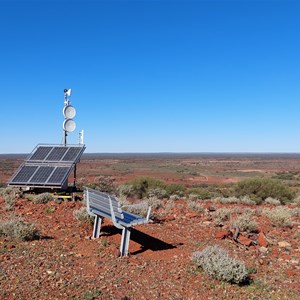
154 202
146 186
140 209
195 206
279 216
245 222
81 182
296 200
18 230
42 198
272 201
193 197
175 189
200 193
247 200
160 193
141 186
286 175
221 216
8 191
103 184
82 216
10 201
125 190
9 194
169 206
226 200
216 262
295 212
259 189
229 200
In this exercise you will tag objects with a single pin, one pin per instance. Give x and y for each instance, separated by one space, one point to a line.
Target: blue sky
152 76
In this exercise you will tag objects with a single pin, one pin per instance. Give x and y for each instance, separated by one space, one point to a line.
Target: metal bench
103 205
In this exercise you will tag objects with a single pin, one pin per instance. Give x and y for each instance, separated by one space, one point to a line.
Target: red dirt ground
66 264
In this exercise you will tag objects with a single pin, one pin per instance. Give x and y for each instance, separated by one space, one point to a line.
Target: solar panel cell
57 153
59 175
41 153
72 154
42 174
24 174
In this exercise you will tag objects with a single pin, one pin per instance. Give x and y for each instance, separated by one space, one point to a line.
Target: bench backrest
103 204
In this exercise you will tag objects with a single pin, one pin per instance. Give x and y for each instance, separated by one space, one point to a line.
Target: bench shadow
146 241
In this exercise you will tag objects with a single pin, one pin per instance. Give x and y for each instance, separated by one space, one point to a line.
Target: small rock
263 250
49 272
211 208
206 223
10 246
291 272
244 240
284 244
222 234
262 241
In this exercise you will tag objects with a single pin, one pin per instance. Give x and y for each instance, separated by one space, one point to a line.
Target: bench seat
103 205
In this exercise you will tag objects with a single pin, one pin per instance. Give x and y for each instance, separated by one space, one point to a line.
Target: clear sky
152 76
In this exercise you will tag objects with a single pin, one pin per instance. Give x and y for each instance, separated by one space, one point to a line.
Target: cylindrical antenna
81 137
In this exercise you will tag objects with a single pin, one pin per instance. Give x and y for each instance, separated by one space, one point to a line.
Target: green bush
125 190
216 262
103 184
259 189
175 189
146 186
17 229
200 192
42 198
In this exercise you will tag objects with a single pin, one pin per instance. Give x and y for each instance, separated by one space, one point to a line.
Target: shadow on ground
146 241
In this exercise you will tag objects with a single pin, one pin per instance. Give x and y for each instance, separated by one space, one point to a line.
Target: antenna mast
69 113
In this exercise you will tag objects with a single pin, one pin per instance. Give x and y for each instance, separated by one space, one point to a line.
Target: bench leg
97 227
125 241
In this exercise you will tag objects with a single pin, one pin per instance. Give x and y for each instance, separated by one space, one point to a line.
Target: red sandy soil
67 264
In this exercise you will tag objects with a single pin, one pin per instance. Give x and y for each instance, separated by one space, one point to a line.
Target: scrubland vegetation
188 216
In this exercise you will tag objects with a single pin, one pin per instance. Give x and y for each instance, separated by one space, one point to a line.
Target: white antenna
69 113
81 137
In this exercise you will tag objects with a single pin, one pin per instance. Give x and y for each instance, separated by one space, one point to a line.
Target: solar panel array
56 154
48 166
